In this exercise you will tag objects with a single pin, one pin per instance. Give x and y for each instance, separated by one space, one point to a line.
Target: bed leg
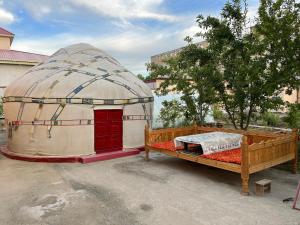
245 186
245 166
146 155
146 142
295 146
294 166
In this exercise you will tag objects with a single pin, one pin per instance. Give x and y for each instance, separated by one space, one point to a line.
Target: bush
270 119
1 109
293 116
217 113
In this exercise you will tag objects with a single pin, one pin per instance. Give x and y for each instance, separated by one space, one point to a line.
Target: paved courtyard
130 191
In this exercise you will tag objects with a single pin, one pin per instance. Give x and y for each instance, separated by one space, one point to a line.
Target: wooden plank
270 143
270 163
165 151
187 157
209 162
221 165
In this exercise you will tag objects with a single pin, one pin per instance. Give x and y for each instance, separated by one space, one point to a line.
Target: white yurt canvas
81 101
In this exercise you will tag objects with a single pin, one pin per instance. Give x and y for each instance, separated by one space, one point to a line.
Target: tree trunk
249 115
231 117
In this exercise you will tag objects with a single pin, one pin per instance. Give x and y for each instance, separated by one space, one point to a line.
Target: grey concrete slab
130 191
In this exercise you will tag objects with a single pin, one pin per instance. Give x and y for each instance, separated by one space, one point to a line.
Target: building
293 98
159 59
14 63
79 103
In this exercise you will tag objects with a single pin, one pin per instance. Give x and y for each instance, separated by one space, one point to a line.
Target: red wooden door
108 130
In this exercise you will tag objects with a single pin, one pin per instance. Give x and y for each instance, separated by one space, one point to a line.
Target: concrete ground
130 191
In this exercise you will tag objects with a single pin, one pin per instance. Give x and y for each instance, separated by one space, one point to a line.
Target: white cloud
126 9
191 31
121 9
39 8
133 49
6 17
252 14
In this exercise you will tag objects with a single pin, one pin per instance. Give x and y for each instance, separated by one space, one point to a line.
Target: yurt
80 102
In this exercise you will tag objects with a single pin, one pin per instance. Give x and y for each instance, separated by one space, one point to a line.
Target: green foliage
270 119
293 116
171 112
141 77
144 78
278 27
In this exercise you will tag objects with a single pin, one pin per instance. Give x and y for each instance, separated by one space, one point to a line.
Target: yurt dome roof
79 74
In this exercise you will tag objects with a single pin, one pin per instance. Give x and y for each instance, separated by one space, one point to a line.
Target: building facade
14 63
159 58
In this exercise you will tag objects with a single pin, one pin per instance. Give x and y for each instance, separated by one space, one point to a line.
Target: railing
168 134
272 152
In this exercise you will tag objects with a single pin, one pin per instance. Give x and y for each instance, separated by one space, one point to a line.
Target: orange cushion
231 156
169 145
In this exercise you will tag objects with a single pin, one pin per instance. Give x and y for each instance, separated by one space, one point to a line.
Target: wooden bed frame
268 149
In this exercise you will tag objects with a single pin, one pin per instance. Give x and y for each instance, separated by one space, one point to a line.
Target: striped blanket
212 142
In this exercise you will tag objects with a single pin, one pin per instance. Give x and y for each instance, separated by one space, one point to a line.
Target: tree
188 73
244 69
247 75
237 67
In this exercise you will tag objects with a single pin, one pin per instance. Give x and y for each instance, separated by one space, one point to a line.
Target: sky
129 30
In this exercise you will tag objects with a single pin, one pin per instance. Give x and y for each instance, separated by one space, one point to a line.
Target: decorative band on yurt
77 122
86 101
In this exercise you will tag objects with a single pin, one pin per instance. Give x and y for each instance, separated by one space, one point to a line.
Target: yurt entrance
108 130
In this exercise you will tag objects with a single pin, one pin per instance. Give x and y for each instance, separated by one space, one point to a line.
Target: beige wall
293 98
159 58
9 72
4 43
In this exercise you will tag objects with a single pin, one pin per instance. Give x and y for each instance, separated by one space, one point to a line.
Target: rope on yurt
32 87
36 117
135 93
60 69
67 69
38 113
72 94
